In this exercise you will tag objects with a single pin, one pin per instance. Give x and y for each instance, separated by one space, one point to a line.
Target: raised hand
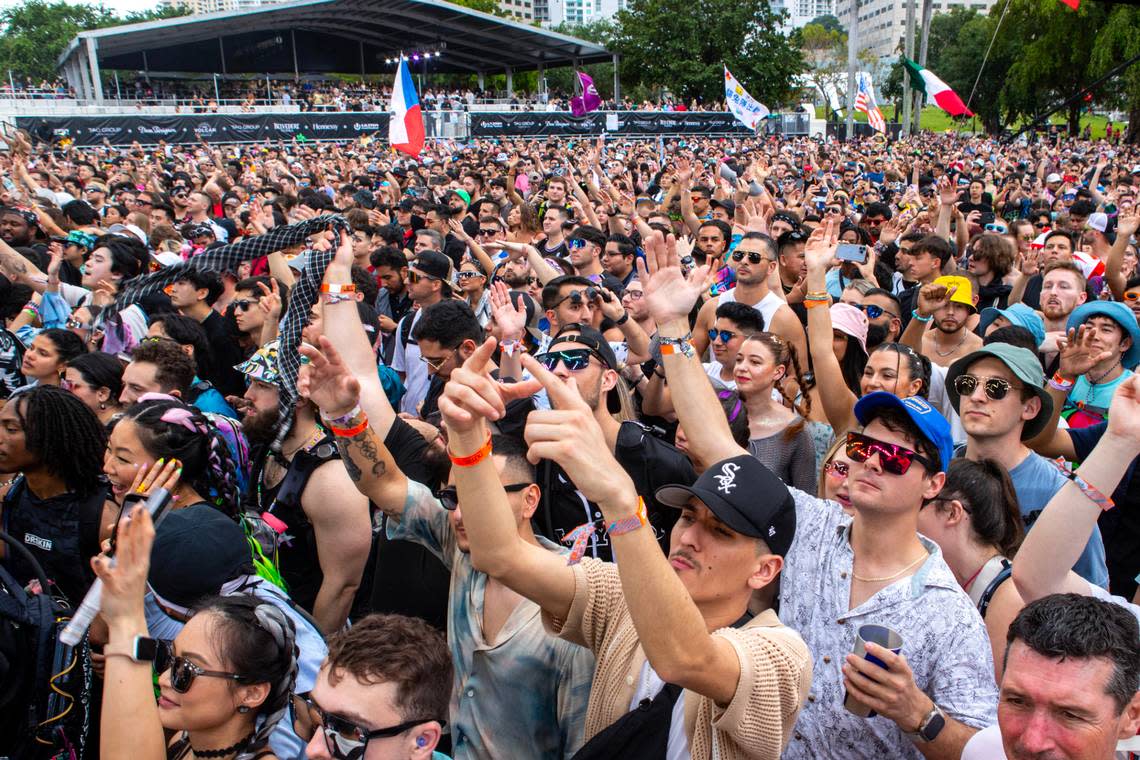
1078 353
820 247
669 293
932 297
472 395
1029 263
569 435
509 316
326 380
1124 412
947 193
270 300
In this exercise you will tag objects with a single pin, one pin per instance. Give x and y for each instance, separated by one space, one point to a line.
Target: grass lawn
937 120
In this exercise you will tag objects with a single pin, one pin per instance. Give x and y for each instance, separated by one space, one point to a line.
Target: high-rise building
215 6
882 23
801 12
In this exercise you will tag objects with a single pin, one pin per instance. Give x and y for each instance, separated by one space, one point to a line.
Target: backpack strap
301 468
405 329
991 589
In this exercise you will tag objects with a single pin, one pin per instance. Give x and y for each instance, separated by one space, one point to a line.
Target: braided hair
260 642
170 429
784 353
50 415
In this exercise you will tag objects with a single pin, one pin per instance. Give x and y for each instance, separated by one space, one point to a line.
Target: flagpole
908 49
852 36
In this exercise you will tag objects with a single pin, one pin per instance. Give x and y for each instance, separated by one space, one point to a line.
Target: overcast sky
121 7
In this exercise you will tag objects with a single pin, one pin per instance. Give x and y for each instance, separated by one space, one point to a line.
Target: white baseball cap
1054 177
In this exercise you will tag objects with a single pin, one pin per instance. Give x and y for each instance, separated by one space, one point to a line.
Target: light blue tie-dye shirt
522 696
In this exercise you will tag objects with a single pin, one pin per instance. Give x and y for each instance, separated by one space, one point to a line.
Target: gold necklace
891 577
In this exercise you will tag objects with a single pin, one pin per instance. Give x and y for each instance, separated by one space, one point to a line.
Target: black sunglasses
449 496
894 459
996 388
753 256
489 231
244 304
575 359
344 739
577 296
183 671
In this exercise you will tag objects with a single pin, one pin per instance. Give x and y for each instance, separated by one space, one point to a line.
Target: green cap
1024 365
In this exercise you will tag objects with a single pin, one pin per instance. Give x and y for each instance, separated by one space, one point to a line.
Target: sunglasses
894 459
753 256
577 296
1041 225
75 324
724 335
575 244
449 498
489 231
183 672
1131 295
575 359
436 362
244 304
69 385
414 276
871 310
836 469
467 275
344 739
992 227
996 388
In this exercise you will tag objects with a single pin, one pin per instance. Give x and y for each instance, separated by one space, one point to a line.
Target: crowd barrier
149 129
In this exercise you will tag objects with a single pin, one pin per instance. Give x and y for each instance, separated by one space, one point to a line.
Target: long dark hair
170 429
852 364
986 492
100 370
64 434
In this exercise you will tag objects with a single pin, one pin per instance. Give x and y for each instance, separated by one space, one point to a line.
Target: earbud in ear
420 741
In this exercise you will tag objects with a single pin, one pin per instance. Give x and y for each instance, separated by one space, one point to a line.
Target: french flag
406 127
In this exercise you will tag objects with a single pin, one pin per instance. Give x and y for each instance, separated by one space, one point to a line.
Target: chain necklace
965 335
890 577
1104 374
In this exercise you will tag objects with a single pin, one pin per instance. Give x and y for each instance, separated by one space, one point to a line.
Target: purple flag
589 100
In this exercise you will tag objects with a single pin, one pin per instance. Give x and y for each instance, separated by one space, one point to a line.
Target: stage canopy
323 36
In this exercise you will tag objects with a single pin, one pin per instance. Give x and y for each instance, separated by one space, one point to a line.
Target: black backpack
45 685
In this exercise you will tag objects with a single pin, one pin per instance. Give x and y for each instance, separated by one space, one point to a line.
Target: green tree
684 45
486 6
1117 42
824 53
35 34
830 23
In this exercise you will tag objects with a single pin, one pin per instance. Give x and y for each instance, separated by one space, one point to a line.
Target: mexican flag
935 89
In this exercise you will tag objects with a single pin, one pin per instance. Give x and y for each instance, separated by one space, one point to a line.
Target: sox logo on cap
727 477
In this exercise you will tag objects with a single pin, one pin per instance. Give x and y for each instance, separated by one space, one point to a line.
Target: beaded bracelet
915 315
1091 492
1059 383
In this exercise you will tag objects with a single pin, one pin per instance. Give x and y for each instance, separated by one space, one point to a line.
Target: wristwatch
142 649
930 727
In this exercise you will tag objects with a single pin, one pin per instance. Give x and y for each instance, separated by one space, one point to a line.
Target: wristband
344 419
510 347
624 318
816 295
631 523
334 298
338 287
1059 383
914 315
471 459
351 432
811 303
683 346
1091 492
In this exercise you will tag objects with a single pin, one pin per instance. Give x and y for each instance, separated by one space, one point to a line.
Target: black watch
621 321
930 727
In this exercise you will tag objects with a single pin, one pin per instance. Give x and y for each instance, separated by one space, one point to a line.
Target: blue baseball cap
926 418
1017 314
1118 313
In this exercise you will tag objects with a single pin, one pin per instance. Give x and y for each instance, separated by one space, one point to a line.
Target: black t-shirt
226 354
1120 526
408 579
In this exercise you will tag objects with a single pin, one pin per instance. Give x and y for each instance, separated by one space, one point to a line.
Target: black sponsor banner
538 124
124 130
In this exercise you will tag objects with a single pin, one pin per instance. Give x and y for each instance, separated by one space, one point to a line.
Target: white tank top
767 306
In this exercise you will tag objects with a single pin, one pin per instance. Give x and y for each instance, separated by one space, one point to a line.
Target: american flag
865 102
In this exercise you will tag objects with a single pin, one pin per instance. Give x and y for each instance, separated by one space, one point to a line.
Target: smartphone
725 281
851 252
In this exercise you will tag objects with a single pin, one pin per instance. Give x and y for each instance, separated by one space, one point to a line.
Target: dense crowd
698 448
